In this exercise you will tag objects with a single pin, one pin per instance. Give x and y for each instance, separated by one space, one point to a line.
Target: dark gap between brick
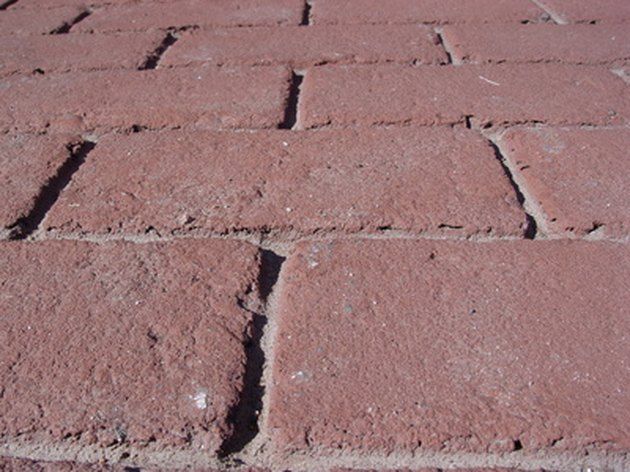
154 58
67 26
306 14
291 108
7 4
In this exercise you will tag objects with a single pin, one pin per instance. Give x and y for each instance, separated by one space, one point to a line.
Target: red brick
452 346
409 179
207 97
588 10
123 342
71 52
426 11
26 165
62 3
578 44
150 15
578 177
25 21
361 95
301 47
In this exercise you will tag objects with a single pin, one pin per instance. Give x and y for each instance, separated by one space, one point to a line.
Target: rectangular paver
27 164
576 44
425 11
123 342
304 46
441 181
577 177
20 22
367 95
389 346
72 52
207 97
588 11
146 15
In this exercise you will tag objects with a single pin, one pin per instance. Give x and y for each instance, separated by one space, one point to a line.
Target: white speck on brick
200 399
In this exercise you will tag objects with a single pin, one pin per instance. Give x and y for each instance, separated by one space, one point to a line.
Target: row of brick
439 181
302 47
209 97
27 16
500 346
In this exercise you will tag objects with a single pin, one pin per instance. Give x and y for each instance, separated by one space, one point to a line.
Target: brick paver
302 47
207 97
308 182
123 343
452 346
578 177
556 94
576 44
296 235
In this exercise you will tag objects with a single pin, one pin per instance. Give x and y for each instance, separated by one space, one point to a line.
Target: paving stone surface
205 96
283 180
123 343
585 11
302 47
21 22
576 44
452 346
577 177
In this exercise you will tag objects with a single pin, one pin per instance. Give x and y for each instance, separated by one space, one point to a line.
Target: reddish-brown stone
70 52
578 177
586 11
185 13
27 163
122 342
442 181
426 11
303 47
556 94
577 44
27 21
206 97
452 346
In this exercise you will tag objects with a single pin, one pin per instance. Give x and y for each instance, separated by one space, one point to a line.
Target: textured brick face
557 94
301 181
206 97
21 22
406 345
123 342
578 177
587 11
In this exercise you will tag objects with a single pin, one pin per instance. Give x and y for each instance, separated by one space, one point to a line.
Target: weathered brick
578 177
16 464
71 52
590 11
303 47
27 163
149 15
123 342
556 94
452 346
426 11
207 97
578 44
27 21
442 181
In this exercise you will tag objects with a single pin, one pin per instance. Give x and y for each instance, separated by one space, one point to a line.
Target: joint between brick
68 25
556 17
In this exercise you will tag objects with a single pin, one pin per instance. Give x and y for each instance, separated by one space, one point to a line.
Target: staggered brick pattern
337 235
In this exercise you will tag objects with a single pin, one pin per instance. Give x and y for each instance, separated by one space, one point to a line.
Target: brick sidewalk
322 235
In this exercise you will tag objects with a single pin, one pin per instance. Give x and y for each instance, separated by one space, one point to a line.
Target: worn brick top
314 235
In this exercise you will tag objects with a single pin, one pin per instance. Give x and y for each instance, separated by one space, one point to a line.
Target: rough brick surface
27 163
587 11
14 464
146 15
123 342
70 52
300 46
410 179
25 21
405 345
426 11
578 177
365 95
577 44
207 97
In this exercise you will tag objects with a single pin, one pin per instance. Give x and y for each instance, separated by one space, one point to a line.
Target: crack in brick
50 192
67 25
154 58
306 14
